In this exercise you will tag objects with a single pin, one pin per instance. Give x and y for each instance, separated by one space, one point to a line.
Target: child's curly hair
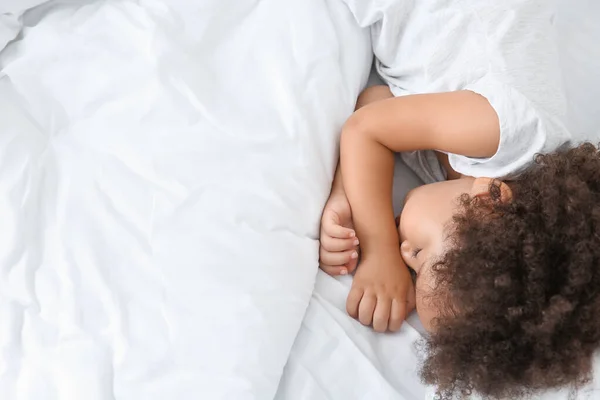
522 281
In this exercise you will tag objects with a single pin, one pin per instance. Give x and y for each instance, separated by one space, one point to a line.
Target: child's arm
338 251
456 122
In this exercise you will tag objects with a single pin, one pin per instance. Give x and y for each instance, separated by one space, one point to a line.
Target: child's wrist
383 251
337 189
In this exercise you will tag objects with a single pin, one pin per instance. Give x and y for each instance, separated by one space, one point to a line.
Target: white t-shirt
504 50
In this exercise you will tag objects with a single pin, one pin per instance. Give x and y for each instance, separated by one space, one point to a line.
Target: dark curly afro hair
521 285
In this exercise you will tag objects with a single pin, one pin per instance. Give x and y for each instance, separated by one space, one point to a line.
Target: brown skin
339 246
424 229
508 275
518 291
458 122
338 253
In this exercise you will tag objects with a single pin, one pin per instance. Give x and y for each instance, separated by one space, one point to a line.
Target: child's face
422 227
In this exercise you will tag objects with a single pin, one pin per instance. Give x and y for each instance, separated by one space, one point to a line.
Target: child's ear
481 188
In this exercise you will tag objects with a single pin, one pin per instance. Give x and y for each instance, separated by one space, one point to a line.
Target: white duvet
163 166
327 364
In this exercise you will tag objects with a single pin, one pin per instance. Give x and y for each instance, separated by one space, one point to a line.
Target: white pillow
163 167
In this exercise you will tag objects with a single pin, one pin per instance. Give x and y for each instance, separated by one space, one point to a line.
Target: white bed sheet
335 357
579 35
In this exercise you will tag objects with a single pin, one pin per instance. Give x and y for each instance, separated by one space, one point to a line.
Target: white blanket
334 358
163 166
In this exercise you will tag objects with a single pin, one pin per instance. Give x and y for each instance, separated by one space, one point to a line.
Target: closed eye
416 252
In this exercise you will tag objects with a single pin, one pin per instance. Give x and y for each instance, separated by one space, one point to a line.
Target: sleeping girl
504 237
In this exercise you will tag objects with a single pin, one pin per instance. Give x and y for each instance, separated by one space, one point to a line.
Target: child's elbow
353 134
355 128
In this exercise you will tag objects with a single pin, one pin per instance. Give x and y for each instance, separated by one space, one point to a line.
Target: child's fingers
354 298
352 265
397 315
381 316
334 245
367 308
335 230
334 270
337 258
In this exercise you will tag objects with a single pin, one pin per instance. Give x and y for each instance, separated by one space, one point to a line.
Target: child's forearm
383 187
368 179
337 187
369 95
459 122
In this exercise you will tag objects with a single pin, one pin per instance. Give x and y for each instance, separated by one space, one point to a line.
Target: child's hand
338 253
382 293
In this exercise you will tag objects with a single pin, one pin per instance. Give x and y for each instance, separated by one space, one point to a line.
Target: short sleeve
525 131
522 82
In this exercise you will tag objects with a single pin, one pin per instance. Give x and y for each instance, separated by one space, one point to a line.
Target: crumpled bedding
162 169
326 363
163 166
335 357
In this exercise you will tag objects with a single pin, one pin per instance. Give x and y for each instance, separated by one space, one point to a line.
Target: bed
163 164
336 358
